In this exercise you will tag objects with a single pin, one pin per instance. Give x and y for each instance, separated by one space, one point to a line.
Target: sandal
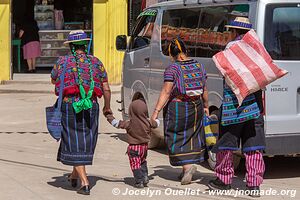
188 175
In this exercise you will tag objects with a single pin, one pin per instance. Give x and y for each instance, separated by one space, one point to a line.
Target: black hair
75 47
82 47
137 96
240 31
176 47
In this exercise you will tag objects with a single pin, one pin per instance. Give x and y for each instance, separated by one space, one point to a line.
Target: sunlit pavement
29 170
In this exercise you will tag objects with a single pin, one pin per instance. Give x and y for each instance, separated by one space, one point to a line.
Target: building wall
5 40
110 20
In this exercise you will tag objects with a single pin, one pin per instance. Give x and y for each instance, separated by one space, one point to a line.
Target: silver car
201 24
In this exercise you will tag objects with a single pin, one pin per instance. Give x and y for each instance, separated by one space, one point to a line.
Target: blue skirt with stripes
184 132
79 135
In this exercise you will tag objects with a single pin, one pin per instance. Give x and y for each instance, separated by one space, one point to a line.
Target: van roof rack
199 1
215 1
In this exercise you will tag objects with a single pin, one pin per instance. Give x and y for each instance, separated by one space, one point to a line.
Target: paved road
28 169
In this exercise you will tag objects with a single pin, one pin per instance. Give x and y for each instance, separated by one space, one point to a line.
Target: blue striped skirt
184 132
79 135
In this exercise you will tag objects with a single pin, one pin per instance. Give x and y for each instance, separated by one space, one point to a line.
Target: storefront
101 19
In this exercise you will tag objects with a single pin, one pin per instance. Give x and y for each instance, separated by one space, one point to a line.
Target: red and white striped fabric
247 66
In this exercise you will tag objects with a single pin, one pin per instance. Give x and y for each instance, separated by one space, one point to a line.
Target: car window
142 33
180 23
202 29
282 31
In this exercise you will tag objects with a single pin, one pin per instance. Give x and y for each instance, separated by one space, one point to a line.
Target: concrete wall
5 40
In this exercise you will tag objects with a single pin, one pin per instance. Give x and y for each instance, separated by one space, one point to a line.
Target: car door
137 58
282 40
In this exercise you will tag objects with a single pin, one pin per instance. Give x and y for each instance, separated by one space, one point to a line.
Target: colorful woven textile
79 135
232 113
189 78
71 86
183 132
211 129
247 66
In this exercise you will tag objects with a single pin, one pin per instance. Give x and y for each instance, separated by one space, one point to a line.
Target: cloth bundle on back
247 66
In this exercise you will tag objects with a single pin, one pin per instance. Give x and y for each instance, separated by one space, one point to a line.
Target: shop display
44 16
74 25
52 46
59 19
55 20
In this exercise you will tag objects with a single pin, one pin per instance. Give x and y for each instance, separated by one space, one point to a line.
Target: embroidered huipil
189 77
232 113
71 83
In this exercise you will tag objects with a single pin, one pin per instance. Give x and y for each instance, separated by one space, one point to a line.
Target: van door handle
146 62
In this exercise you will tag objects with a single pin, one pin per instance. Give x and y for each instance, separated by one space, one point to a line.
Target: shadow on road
62 181
277 167
172 174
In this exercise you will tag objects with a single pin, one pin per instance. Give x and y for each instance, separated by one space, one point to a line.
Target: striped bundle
247 66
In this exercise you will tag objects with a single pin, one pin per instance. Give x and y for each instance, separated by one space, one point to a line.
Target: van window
142 33
282 31
202 29
181 23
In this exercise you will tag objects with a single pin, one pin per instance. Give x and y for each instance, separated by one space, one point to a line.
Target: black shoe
73 181
217 184
139 185
146 181
85 190
254 191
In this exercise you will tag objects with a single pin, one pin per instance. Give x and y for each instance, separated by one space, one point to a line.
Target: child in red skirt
138 130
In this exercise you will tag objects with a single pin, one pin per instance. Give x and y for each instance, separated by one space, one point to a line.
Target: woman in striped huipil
184 99
240 124
85 80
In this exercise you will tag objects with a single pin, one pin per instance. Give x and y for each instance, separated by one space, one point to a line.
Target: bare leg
186 167
29 63
33 63
74 174
82 175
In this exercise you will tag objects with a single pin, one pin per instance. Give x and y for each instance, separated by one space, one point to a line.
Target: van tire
212 160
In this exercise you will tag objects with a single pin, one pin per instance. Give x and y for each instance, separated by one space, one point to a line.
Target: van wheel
212 159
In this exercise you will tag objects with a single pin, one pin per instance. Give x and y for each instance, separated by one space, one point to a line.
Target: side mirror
121 42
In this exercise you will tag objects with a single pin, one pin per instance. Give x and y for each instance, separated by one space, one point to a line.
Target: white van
201 25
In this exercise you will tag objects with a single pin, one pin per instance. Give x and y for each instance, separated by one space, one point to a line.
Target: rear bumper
283 144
